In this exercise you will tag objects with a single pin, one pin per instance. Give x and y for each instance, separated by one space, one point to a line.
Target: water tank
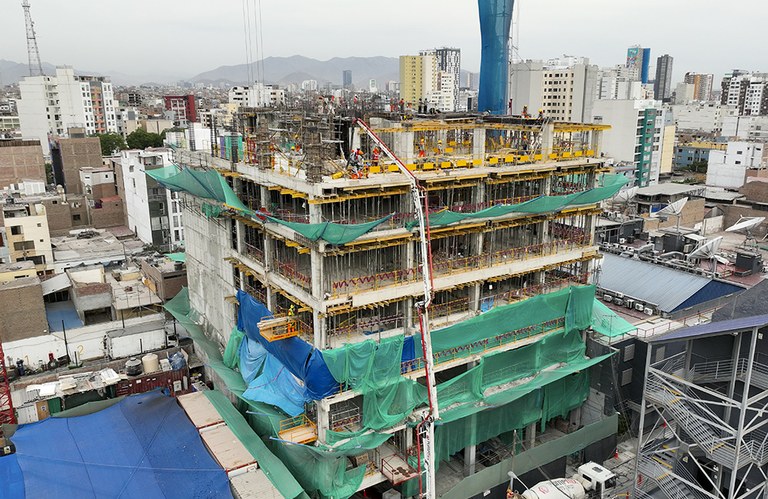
495 24
150 363
133 367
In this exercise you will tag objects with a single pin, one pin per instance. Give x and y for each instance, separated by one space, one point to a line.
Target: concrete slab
199 410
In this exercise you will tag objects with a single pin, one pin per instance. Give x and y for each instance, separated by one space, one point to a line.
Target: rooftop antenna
709 251
745 226
35 66
673 209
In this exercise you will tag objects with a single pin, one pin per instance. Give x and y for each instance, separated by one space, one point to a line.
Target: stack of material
278 329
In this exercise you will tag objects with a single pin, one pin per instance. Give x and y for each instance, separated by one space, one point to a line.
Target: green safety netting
177 257
611 184
231 356
606 322
207 184
276 471
331 232
366 364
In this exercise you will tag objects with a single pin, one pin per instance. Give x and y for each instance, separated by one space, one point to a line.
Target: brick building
20 160
21 301
69 156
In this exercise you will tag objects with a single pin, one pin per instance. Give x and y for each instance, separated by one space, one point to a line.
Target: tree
111 143
141 139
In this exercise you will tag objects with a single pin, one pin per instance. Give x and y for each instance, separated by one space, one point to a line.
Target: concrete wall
108 212
23 310
76 154
164 284
63 216
21 160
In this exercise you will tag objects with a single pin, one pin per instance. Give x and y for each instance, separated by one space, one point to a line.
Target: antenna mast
35 66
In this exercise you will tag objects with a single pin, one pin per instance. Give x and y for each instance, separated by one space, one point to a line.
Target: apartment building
27 236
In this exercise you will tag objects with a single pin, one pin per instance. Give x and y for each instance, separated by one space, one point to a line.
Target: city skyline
323 33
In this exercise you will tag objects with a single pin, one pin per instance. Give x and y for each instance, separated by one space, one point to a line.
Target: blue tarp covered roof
62 311
143 446
714 329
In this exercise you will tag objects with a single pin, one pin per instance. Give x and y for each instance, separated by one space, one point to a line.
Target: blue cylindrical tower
495 23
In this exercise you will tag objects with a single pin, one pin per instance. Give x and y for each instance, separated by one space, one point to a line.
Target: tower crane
421 211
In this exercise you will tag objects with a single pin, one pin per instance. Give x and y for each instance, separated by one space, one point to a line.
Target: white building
154 213
728 169
448 60
636 135
564 89
258 95
618 82
309 85
748 92
752 128
53 104
443 96
706 117
685 93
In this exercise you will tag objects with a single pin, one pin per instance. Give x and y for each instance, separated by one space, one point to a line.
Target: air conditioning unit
619 295
607 298
648 311
687 248
629 303
639 307
619 302
622 241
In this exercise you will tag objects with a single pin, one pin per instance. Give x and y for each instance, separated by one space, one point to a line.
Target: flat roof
668 189
714 329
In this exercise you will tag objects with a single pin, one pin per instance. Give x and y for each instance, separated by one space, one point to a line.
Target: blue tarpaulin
252 357
277 386
143 446
299 357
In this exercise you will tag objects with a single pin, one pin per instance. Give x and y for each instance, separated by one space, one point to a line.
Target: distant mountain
295 69
12 72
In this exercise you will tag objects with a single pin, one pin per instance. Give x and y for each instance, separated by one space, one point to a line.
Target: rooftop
668 189
103 247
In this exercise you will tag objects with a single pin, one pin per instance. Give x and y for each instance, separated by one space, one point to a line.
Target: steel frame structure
705 415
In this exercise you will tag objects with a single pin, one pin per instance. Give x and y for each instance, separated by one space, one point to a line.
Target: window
76 217
626 377
24 245
629 352
16 230
39 225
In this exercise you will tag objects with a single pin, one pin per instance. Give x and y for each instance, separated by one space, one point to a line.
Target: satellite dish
745 224
625 195
707 250
674 209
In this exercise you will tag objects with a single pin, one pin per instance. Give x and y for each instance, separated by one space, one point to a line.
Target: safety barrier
256 253
368 325
299 429
289 270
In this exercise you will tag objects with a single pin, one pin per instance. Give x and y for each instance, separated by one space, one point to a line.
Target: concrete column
530 436
596 142
316 264
547 139
474 298
240 235
315 213
270 298
478 143
269 252
470 452
403 146
264 196
318 326
408 316
323 420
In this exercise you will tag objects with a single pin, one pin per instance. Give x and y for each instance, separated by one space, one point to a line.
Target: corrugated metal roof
714 329
664 287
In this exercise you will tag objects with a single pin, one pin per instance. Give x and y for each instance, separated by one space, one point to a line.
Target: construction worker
375 156
439 146
292 310
422 151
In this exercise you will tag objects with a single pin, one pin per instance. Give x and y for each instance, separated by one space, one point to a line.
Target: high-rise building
346 78
257 95
662 86
702 85
495 26
618 82
563 89
448 60
748 92
636 136
51 105
183 108
418 75
639 60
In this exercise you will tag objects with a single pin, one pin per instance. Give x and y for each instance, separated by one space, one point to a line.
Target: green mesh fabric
350 443
231 357
611 184
388 406
331 232
177 257
87 408
366 364
606 322
280 477
563 395
207 184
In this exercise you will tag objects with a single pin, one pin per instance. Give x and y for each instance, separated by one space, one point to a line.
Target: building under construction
304 265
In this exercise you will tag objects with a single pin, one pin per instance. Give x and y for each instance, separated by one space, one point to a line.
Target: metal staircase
660 473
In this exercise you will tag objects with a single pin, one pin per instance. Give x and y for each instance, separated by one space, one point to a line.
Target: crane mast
33 55
421 212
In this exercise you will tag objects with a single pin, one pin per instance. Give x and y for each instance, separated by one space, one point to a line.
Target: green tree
141 139
111 143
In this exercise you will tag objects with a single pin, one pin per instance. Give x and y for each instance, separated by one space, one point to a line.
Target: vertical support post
743 411
323 419
470 452
478 144
648 355
735 353
530 436
547 139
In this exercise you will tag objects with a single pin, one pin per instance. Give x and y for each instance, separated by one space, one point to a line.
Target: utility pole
35 66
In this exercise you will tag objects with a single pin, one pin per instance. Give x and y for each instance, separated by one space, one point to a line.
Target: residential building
373 86
10 126
69 155
153 212
639 61
448 60
692 153
563 89
728 169
662 85
346 78
684 93
27 236
702 85
20 160
667 145
705 117
309 86
618 82
51 105
417 77
23 314
751 128
183 107
354 296
257 95
636 135
748 92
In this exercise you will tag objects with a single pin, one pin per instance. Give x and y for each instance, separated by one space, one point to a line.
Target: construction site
447 267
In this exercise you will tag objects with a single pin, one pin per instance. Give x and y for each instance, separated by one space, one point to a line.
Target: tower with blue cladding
495 23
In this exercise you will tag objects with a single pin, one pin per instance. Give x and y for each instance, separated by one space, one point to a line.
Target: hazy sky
180 38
